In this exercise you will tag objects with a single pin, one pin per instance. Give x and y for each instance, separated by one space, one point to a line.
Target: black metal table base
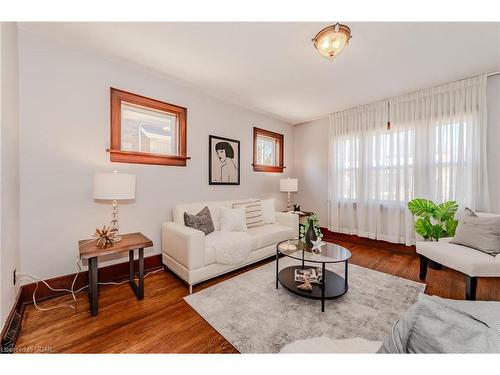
332 285
137 288
94 284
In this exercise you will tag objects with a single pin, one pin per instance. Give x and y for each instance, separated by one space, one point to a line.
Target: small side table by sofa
303 216
129 242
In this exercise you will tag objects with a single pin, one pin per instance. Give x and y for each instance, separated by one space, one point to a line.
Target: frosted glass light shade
288 185
114 186
332 40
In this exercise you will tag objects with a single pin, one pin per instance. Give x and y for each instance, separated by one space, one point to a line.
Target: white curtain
435 148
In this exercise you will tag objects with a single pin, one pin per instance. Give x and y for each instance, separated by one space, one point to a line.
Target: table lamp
114 186
289 185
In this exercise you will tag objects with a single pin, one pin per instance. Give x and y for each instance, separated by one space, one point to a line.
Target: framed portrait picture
223 161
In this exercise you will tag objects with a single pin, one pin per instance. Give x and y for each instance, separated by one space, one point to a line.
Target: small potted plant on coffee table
310 231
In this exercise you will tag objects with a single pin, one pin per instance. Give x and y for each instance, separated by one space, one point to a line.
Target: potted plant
434 221
310 231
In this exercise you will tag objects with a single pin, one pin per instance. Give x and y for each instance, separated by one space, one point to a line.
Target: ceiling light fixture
332 40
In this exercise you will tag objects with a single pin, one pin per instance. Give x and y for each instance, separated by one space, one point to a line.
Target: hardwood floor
164 323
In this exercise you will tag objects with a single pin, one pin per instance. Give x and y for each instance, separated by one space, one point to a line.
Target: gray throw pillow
478 232
438 325
201 221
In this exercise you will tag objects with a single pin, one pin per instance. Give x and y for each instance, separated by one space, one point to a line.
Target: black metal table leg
141 274
277 270
137 288
89 277
346 274
131 266
93 286
323 286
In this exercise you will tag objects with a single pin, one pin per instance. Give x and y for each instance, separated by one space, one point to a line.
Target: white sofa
191 255
471 262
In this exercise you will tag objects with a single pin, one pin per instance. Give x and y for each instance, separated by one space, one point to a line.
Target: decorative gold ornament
306 286
104 236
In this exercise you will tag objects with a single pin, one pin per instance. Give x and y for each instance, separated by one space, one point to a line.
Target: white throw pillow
268 211
233 220
253 212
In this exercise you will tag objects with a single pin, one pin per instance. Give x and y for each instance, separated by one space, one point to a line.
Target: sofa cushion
209 253
461 258
201 221
227 247
269 234
232 220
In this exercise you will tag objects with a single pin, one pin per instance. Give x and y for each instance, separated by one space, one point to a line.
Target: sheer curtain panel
435 148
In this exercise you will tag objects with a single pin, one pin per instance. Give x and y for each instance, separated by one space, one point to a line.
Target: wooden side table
129 242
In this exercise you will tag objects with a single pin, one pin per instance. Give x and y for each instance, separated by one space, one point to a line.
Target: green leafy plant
311 221
434 221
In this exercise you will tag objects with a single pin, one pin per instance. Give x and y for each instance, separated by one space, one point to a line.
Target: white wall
493 97
64 124
311 167
9 166
311 158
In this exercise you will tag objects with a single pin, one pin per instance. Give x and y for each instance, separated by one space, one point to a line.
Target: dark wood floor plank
164 323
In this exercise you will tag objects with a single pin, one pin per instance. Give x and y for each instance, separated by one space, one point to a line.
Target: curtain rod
494 73
477 75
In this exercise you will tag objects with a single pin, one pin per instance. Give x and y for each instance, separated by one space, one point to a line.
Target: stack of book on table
313 275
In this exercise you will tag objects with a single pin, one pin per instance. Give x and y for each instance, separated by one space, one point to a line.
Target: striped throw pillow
253 212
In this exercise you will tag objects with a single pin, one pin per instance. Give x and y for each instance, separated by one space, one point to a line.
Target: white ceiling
274 68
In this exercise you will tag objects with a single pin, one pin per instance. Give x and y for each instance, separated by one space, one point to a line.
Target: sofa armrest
288 219
184 244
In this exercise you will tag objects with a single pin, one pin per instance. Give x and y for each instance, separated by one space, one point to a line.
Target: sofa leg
165 268
190 289
423 267
470 288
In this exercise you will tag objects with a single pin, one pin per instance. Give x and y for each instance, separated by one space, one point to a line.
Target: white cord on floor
72 290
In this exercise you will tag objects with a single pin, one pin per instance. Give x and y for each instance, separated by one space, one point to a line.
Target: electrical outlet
14 276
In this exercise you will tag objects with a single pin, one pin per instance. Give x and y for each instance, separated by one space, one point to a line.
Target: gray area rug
257 318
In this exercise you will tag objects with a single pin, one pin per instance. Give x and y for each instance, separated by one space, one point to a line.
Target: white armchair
471 262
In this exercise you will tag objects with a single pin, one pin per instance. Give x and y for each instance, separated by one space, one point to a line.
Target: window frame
136 157
281 156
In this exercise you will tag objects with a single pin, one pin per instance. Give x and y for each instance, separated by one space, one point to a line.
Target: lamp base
114 223
116 239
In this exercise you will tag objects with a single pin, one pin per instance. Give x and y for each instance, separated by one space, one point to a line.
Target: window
391 165
267 151
386 160
433 149
147 131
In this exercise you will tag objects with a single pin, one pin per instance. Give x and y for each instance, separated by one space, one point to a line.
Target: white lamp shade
288 185
114 186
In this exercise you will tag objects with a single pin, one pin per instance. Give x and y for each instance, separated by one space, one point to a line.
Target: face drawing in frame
224 155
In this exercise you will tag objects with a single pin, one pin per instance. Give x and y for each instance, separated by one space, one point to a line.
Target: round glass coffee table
328 284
